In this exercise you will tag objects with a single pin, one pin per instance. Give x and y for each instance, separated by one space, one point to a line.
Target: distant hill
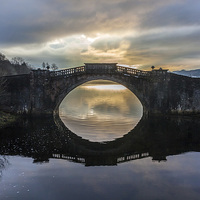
190 73
7 68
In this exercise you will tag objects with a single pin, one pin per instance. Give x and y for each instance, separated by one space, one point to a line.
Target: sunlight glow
57 41
91 39
105 87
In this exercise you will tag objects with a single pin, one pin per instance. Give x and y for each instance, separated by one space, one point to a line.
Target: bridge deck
103 70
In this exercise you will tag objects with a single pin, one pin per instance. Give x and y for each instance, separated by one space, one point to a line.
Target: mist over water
100 110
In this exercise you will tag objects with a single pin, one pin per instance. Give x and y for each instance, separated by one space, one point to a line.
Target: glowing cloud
69 33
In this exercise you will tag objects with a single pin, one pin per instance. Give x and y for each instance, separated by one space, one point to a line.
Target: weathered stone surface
42 91
16 98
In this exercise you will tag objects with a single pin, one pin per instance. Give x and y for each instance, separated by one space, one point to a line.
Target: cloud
107 43
35 21
173 46
180 13
129 31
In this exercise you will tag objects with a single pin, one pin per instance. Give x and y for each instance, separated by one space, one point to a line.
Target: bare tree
2 57
47 66
17 61
54 67
43 66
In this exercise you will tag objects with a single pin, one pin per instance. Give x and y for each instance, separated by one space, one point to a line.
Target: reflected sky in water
140 179
100 110
40 159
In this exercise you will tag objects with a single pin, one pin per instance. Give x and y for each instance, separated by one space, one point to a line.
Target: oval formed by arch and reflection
100 110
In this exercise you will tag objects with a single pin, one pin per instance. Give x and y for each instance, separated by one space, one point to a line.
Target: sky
140 33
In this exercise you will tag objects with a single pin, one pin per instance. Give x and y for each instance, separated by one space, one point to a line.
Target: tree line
14 66
47 66
14 60
18 65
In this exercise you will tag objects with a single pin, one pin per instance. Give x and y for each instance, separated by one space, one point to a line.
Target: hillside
6 68
16 66
190 73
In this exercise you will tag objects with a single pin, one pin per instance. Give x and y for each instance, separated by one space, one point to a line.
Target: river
101 147
101 111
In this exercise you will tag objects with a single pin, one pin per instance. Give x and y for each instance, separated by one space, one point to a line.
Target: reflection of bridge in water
156 138
112 160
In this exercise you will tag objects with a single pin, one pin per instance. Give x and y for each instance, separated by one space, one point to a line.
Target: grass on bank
6 119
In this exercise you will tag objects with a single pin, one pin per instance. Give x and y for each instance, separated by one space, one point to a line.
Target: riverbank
7 119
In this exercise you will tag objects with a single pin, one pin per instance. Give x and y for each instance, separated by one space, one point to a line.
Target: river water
101 148
101 111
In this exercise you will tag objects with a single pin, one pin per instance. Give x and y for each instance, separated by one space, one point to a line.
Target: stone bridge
159 91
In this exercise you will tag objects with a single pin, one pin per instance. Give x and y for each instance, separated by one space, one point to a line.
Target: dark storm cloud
184 13
37 21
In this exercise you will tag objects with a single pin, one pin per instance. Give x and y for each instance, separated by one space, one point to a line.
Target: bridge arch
42 91
67 88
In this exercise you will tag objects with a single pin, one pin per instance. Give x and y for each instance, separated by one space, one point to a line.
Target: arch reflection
101 110
156 138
